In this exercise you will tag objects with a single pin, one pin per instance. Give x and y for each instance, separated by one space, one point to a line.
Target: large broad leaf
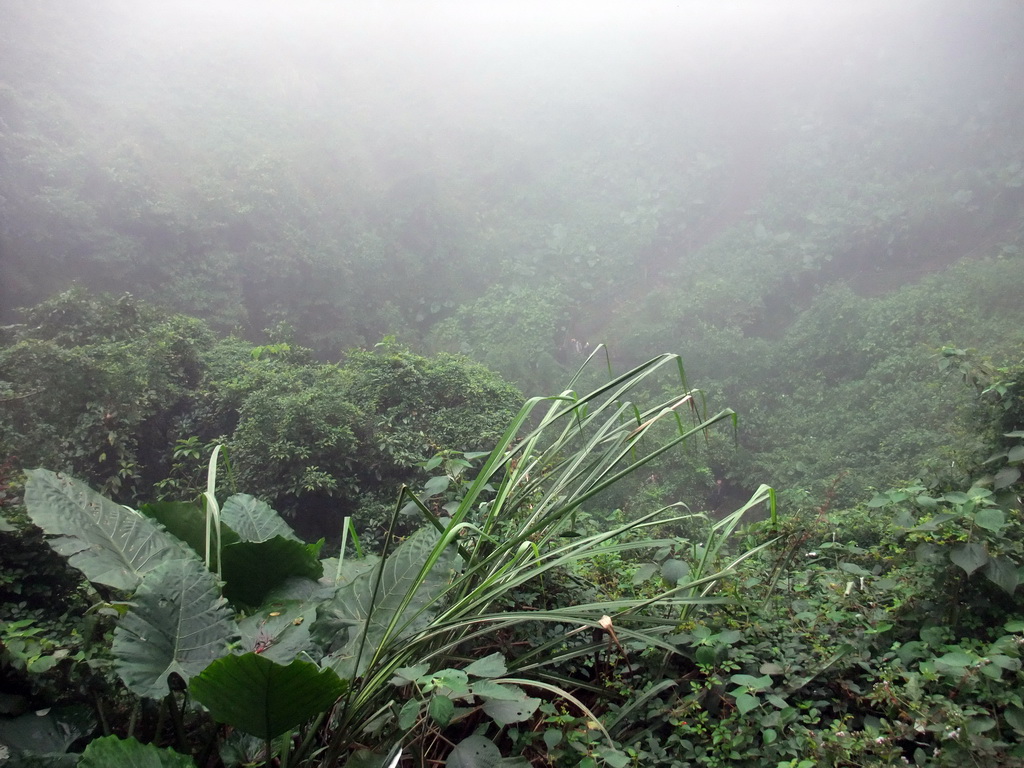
179 624
264 698
970 556
112 752
364 606
254 520
48 733
505 712
1002 572
279 631
187 522
474 752
108 543
252 569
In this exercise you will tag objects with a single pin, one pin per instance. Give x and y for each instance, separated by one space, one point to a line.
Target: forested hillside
321 264
472 196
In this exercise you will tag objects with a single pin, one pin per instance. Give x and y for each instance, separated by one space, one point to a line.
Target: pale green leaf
436 485
280 630
644 572
990 519
364 606
489 666
488 689
505 712
254 520
108 543
970 556
746 702
474 752
1006 477
955 660
179 623
673 571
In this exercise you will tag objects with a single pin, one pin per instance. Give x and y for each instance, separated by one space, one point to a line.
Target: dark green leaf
1014 716
47 732
112 752
1003 572
409 714
441 709
264 698
252 569
187 522
970 556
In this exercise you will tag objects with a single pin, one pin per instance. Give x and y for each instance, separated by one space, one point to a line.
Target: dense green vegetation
273 285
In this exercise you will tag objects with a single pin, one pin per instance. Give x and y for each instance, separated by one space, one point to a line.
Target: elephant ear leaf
385 604
186 522
112 752
108 543
179 624
254 520
264 698
253 568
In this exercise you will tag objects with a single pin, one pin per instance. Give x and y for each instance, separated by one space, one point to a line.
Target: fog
357 169
808 201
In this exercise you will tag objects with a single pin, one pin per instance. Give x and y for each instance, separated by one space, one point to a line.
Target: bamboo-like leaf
179 623
110 544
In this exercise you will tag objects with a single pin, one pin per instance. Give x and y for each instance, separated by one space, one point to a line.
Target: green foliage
178 625
404 618
144 398
112 752
97 383
109 543
263 698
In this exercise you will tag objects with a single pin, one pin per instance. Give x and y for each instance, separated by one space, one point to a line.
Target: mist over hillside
523 383
519 182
